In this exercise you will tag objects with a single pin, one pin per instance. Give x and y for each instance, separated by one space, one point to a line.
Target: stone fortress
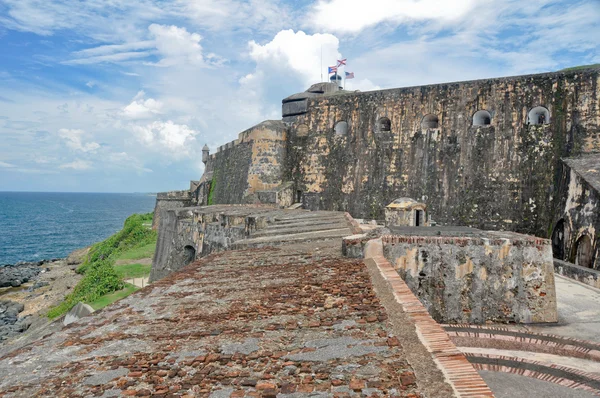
473 193
436 241
518 154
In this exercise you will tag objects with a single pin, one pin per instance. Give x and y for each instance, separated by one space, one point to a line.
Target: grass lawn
136 253
133 270
112 297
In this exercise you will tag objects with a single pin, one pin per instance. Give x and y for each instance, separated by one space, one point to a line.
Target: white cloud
176 45
6 165
173 45
296 54
73 140
346 16
77 164
174 140
141 108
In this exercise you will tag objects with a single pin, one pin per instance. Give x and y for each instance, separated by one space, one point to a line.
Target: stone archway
583 252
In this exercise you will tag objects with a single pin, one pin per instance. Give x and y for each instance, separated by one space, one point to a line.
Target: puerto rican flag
349 75
332 69
341 62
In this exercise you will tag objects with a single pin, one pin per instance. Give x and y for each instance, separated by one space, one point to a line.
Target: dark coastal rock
10 323
17 274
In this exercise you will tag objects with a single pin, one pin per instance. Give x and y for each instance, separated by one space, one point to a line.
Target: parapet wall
359 151
190 233
479 277
168 201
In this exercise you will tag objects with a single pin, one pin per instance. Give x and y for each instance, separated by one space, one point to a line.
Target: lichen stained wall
496 277
249 164
579 214
499 176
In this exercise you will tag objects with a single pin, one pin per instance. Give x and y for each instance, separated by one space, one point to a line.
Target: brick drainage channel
498 339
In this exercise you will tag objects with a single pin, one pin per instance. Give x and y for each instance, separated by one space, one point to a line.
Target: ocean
43 225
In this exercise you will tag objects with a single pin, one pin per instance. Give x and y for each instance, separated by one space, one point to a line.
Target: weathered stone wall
205 230
498 176
479 277
245 166
169 201
579 215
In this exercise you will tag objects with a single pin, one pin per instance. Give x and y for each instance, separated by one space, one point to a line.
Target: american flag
341 62
332 69
349 75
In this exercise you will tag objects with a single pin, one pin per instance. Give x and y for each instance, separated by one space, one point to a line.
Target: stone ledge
459 373
581 274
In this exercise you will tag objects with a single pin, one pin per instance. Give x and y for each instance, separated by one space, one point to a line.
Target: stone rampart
168 201
249 164
480 153
472 276
190 233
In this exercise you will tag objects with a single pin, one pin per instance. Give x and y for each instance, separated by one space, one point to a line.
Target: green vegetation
138 252
580 67
211 191
100 277
110 298
129 271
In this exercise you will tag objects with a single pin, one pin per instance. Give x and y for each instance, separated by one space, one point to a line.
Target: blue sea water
40 225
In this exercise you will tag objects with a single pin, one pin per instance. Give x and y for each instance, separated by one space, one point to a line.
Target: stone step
295 206
293 229
309 214
308 220
299 237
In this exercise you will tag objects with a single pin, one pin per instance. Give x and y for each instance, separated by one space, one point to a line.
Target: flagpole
321 63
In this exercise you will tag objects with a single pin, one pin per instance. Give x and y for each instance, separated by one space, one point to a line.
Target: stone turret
205 152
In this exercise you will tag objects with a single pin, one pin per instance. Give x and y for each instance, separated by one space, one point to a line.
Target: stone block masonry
472 276
169 201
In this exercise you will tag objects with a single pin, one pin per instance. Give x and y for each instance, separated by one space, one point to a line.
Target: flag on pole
349 75
332 69
341 62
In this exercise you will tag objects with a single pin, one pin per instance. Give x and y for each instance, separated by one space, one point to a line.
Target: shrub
100 277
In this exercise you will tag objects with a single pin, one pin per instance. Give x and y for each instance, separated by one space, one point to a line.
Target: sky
120 96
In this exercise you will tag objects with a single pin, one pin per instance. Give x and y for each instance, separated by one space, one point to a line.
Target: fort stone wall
168 201
482 153
242 168
476 276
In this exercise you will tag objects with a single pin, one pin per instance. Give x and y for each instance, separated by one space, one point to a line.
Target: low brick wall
581 274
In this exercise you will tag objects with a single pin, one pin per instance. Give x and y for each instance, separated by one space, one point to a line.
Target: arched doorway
558 240
189 254
583 252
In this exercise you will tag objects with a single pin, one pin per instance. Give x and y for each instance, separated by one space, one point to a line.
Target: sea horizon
39 225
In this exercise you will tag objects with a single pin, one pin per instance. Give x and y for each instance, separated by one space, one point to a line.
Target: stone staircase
298 226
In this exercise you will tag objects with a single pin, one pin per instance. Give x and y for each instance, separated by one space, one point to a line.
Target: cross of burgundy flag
341 62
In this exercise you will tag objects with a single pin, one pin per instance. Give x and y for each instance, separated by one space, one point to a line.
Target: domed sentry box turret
205 152
406 212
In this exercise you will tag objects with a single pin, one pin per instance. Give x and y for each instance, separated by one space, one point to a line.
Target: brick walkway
298 321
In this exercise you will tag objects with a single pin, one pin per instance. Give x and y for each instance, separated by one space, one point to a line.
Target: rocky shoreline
29 289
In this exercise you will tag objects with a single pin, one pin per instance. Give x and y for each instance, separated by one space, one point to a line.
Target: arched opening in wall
189 254
430 122
583 251
302 130
384 125
482 118
341 128
538 115
558 240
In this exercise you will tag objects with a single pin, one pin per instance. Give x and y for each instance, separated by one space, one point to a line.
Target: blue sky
120 96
